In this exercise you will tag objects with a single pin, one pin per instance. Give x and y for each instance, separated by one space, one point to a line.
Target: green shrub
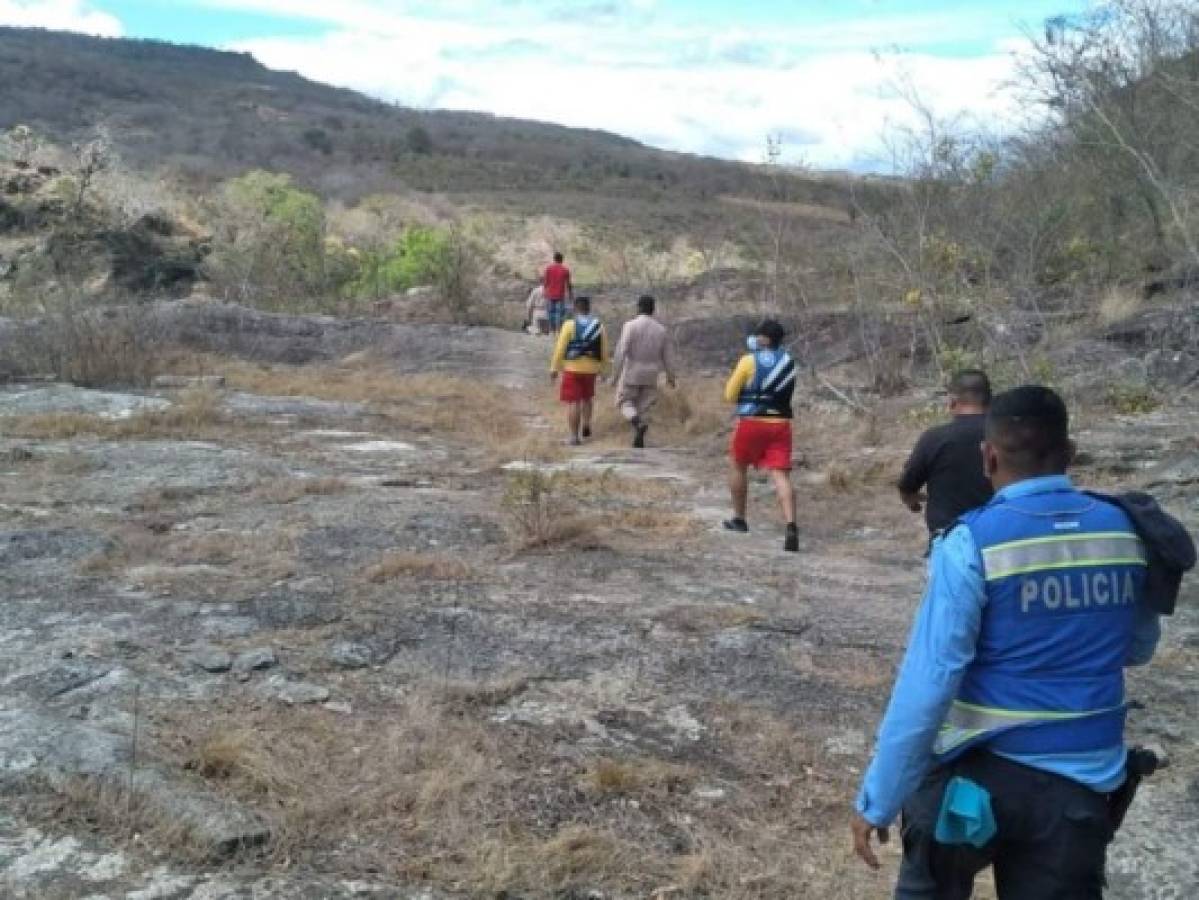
1132 398
269 247
414 259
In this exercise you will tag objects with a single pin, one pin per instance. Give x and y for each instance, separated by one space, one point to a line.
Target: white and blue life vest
769 392
1064 573
586 342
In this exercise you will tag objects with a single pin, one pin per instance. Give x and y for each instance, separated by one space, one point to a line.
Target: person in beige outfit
643 354
537 317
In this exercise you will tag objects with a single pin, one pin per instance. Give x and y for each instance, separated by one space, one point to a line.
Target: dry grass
83 804
1118 302
692 619
638 778
490 693
796 210
428 790
413 790
160 555
478 412
649 522
694 414
282 491
196 414
855 476
419 566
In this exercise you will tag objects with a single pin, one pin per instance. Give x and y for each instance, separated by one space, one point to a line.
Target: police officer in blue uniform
1005 733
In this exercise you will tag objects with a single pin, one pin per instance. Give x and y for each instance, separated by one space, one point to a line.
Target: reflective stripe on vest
966 722
1063 575
769 391
585 341
1063 552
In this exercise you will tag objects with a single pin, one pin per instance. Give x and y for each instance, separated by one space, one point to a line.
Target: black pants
1050 843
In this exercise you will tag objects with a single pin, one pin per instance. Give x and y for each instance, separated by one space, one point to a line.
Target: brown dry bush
89 347
637 777
427 566
539 511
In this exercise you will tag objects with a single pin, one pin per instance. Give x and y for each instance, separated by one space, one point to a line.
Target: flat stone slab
39 748
66 398
255 405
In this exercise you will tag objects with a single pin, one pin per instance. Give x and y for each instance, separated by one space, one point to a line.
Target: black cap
769 328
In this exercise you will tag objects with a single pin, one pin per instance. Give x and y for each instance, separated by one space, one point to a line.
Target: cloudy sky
704 76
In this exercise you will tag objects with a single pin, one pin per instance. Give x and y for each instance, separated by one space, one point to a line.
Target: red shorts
576 387
764 445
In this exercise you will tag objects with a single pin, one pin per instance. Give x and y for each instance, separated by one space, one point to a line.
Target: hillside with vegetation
304 596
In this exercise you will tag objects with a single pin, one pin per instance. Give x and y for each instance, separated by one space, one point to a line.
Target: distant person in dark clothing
948 459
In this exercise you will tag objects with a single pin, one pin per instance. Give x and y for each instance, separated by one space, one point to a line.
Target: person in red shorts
580 356
558 289
762 386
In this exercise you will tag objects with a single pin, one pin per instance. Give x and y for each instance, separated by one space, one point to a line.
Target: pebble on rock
256 660
212 659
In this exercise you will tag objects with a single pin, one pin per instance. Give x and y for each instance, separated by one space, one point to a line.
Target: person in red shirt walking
558 289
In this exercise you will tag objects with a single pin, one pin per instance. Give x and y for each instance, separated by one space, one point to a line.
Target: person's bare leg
786 493
573 418
739 488
585 410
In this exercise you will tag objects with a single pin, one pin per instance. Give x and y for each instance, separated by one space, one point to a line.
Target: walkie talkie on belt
1142 762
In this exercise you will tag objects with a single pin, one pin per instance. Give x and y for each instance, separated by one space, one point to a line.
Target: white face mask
751 343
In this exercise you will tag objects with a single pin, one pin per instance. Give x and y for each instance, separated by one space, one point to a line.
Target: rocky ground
268 637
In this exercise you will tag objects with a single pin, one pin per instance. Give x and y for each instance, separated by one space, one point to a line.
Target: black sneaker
639 437
586 434
791 541
738 525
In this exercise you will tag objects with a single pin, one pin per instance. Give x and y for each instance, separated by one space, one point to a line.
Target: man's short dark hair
583 303
1030 427
558 257
971 385
645 305
772 331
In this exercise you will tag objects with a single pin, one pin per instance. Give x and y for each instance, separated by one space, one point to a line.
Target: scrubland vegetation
542 676
1088 213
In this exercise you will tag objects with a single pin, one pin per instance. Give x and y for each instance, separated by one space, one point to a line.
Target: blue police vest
586 340
1064 573
769 392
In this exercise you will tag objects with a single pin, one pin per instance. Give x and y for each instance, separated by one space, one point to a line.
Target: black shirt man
948 459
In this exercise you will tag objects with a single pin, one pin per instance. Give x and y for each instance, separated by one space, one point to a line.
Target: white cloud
680 90
63 15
